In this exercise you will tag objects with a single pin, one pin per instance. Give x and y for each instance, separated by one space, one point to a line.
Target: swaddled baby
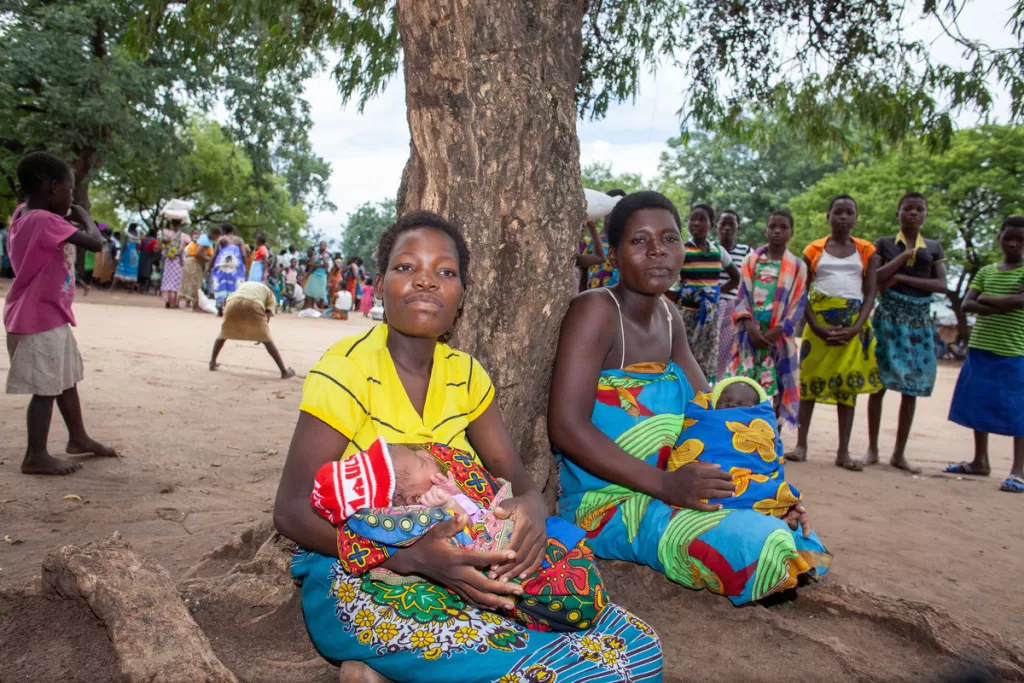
735 427
393 494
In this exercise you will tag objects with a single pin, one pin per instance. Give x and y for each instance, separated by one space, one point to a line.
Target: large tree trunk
490 95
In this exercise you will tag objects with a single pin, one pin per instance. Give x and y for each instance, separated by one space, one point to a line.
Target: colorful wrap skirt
989 394
726 337
743 552
422 632
837 374
906 343
699 306
316 285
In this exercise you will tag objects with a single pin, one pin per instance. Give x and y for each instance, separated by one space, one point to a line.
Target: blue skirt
421 632
906 343
989 394
316 285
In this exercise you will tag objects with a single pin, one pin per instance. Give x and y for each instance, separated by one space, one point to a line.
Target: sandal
1013 484
963 467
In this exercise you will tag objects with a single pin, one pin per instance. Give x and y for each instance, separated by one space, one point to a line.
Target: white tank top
840 277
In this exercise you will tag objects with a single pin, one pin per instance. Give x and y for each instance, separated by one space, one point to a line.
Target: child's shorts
44 364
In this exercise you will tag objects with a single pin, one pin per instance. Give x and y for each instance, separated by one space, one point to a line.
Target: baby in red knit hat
392 495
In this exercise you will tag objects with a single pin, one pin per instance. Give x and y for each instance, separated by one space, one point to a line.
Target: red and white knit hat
365 480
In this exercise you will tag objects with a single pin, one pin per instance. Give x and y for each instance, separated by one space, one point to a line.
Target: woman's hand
529 536
435 557
773 335
797 517
841 336
688 486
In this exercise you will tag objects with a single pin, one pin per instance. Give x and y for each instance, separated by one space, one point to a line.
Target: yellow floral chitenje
742 477
780 504
684 453
758 436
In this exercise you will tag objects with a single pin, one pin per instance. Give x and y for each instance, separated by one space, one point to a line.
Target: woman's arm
586 338
491 440
597 246
973 304
885 272
870 288
734 277
314 443
935 284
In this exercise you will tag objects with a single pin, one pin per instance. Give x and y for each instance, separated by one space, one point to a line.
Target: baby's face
738 395
413 470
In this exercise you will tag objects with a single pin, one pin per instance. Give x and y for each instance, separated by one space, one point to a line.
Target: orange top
816 248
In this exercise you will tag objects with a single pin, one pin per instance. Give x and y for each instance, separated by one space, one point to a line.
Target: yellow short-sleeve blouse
355 389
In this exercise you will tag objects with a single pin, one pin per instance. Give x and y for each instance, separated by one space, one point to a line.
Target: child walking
989 394
37 315
366 300
767 313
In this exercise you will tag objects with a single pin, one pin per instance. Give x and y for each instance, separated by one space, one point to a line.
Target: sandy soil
185 485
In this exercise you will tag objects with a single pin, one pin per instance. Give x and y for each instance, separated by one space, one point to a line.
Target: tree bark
490 91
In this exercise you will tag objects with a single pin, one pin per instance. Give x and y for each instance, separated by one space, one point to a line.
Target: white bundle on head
177 210
599 204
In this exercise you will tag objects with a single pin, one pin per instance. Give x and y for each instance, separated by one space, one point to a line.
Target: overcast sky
368 151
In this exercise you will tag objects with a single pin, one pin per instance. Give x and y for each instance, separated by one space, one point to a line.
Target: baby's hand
447 484
436 497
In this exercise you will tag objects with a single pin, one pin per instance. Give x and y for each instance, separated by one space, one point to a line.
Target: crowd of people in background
187 266
844 318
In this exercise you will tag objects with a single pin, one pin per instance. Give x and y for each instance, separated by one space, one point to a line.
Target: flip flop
963 467
1012 484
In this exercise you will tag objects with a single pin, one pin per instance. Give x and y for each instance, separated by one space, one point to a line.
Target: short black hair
214 230
706 208
839 197
615 223
1012 222
422 219
785 214
39 167
616 192
911 195
729 212
260 236
227 228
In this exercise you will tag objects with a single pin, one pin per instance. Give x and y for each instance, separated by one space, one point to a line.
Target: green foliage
216 173
971 187
599 176
77 80
752 181
826 68
363 229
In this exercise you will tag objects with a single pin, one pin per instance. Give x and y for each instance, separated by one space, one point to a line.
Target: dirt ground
184 485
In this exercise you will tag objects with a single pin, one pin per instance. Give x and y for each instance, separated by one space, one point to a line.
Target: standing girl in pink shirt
37 315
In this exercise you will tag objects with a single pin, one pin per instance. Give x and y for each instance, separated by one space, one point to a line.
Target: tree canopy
826 68
971 188
364 227
69 84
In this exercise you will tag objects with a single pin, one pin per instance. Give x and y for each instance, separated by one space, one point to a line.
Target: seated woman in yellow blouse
400 382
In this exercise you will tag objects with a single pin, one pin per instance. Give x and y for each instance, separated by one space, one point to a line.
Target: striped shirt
1000 333
703 268
737 253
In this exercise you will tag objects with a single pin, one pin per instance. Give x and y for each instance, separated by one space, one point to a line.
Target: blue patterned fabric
906 343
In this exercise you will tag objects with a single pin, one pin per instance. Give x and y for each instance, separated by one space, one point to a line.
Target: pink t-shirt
44 265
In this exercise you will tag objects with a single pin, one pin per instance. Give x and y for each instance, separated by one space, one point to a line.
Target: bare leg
286 372
843 459
217 346
981 464
799 452
874 426
79 441
37 459
1018 457
899 457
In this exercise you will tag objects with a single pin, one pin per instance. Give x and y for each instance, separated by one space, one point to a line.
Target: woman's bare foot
847 463
797 454
870 457
901 462
288 374
214 366
357 672
44 463
89 446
